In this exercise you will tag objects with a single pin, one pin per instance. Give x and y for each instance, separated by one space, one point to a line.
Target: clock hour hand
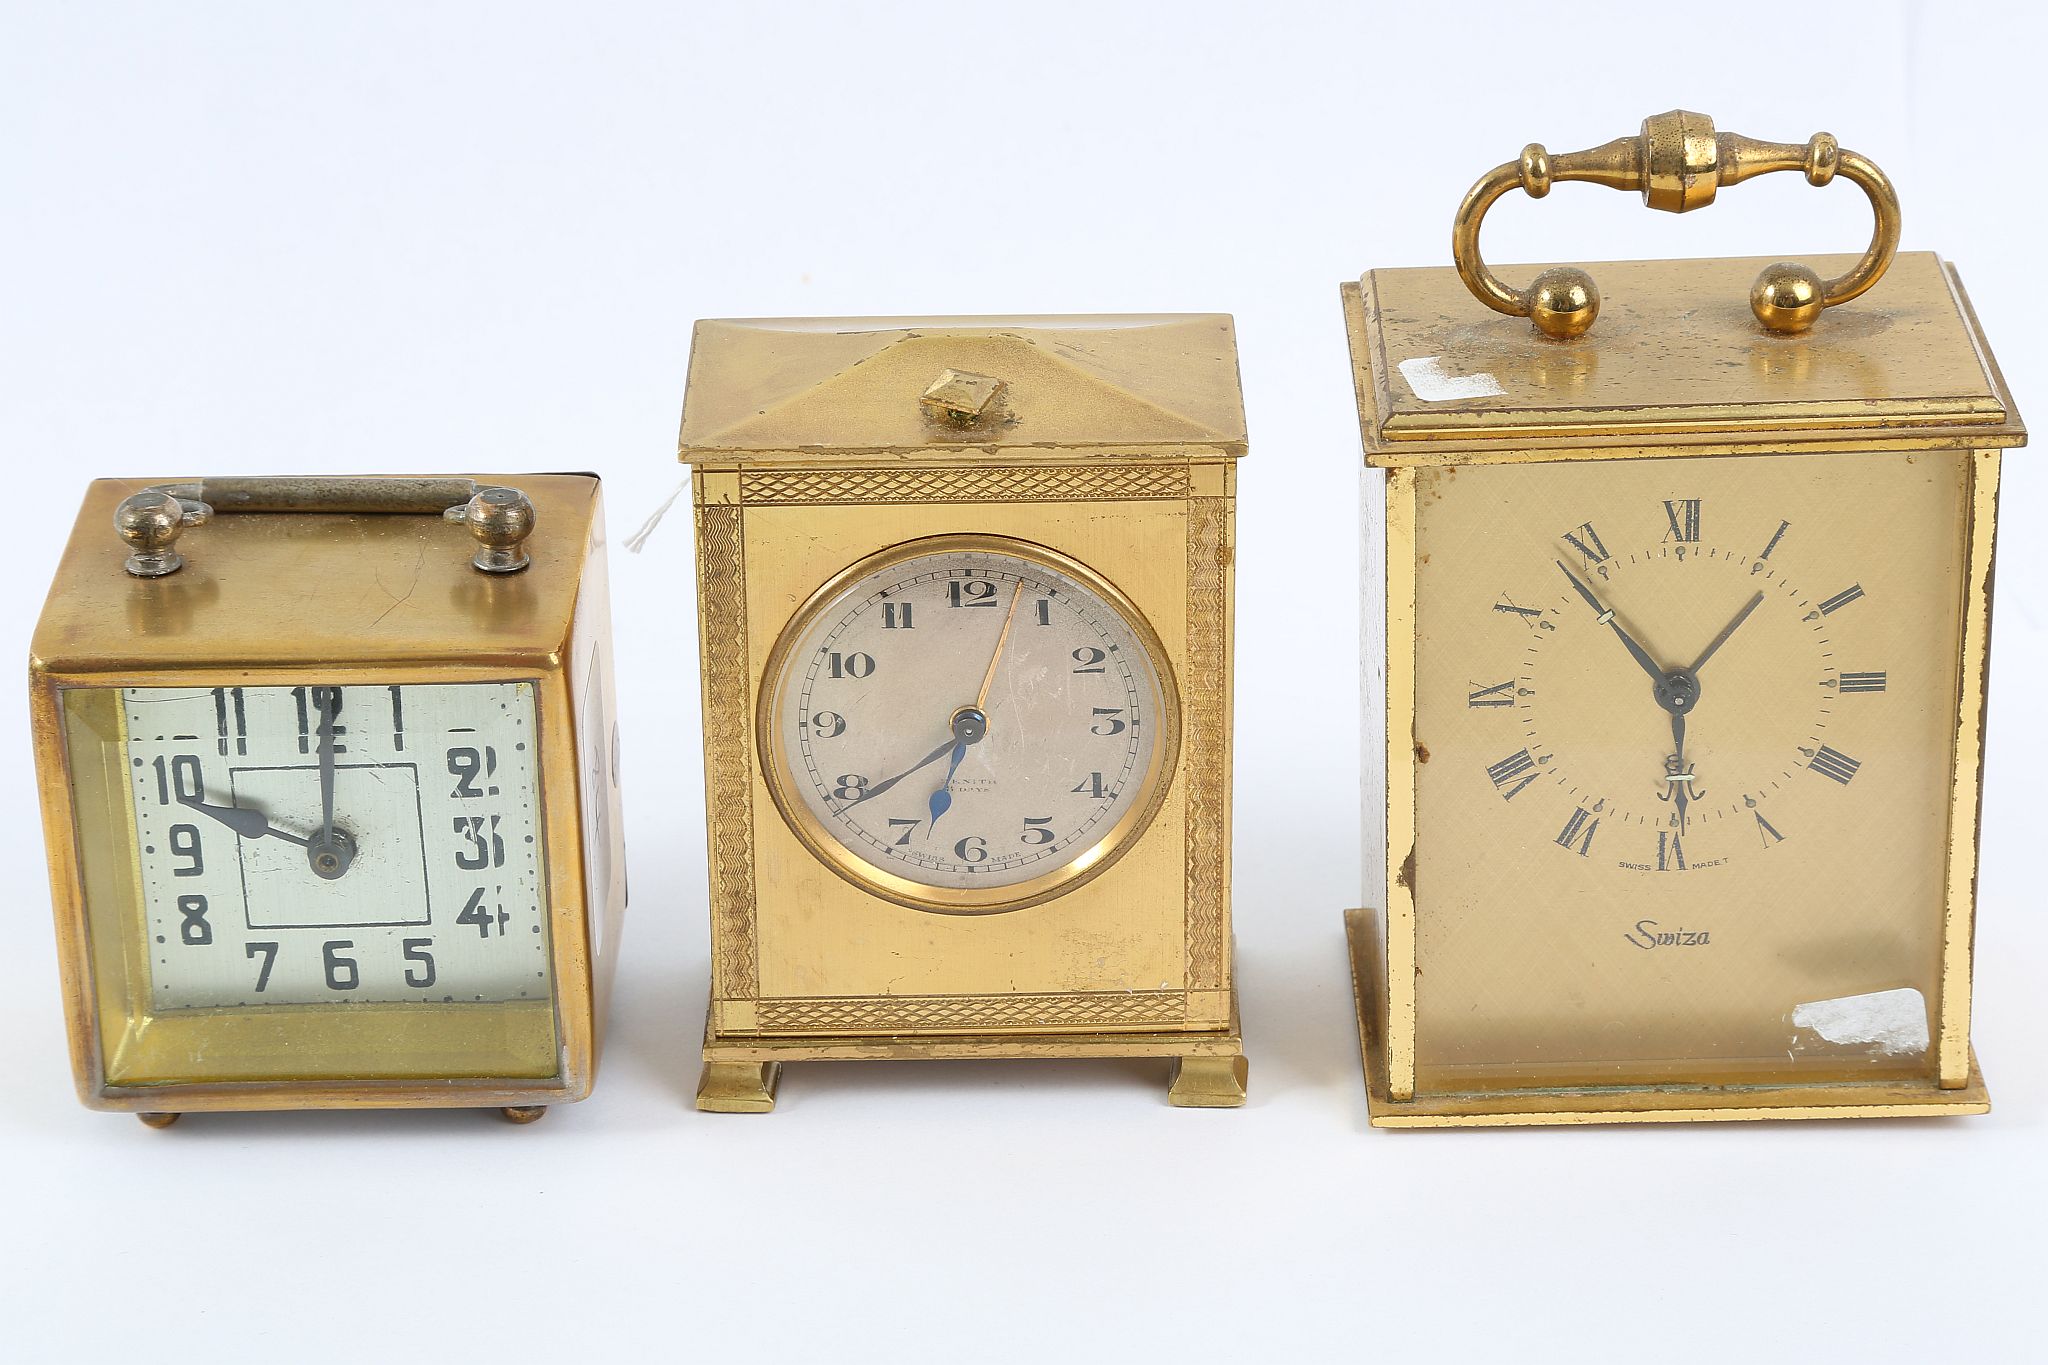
1605 616
250 824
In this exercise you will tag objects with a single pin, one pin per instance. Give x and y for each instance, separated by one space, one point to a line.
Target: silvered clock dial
968 724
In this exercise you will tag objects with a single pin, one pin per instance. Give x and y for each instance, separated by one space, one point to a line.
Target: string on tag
637 542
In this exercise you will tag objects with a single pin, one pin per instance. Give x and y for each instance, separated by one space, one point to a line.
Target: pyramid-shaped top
829 390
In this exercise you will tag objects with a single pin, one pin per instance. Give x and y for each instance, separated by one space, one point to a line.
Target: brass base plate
741 1070
1631 1104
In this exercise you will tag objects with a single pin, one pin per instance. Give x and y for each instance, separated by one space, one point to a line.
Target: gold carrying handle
1677 161
150 522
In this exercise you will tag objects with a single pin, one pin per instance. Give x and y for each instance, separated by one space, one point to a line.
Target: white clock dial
970 719
336 845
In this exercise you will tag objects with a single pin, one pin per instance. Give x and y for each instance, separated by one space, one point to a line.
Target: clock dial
966 725
338 845
1683 733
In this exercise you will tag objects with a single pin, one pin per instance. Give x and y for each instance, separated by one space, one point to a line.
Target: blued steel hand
1722 638
250 824
925 762
1605 616
942 799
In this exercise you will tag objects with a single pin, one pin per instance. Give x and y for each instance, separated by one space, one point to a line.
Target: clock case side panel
728 588
1955 1061
591 676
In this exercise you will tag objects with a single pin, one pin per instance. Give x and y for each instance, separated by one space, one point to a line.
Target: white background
431 237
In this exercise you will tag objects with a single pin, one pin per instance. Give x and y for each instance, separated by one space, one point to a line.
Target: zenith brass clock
1677 628
330 790
965 595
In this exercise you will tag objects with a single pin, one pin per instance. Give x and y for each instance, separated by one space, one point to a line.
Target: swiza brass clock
1678 628
331 792
965 592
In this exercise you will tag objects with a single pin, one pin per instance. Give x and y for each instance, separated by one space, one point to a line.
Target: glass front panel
1684 731
315 882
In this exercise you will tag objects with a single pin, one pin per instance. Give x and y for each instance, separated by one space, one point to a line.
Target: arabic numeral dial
955 724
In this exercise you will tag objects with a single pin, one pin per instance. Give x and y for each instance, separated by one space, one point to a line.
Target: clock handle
150 522
1677 161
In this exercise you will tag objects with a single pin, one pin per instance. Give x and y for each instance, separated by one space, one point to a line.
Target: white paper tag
1426 376
1894 1022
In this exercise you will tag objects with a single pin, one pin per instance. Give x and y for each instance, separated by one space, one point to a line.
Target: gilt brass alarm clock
330 792
965 596
1677 613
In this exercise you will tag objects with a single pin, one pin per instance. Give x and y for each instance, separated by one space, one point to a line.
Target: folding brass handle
150 522
1677 161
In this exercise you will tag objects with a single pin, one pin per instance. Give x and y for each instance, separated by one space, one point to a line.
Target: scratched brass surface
283 599
1676 361
1491 993
1110 441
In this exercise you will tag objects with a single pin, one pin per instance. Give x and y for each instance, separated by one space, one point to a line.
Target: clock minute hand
250 824
925 762
1727 631
1605 616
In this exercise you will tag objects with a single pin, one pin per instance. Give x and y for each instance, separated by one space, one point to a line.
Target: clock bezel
1075 872
98 1004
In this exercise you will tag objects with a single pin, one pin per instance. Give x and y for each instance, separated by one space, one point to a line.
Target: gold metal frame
542 628
1091 862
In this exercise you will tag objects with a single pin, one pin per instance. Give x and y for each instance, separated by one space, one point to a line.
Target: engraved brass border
728 744
1020 483
1091 863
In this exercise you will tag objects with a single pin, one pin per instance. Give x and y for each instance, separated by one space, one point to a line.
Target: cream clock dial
321 845
1683 729
967 725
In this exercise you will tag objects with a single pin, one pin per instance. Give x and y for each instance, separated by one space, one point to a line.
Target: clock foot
738 1087
523 1113
159 1120
1208 1082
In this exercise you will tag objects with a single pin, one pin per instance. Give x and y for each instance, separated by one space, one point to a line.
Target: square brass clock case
1676 378
281 599
1104 446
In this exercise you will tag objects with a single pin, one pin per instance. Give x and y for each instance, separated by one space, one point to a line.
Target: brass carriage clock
1678 630
965 594
330 793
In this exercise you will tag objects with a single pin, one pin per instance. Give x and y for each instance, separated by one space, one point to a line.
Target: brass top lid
1677 360
317 589
815 391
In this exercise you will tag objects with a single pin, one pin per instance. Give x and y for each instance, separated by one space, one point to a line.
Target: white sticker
1425 375
1895 1022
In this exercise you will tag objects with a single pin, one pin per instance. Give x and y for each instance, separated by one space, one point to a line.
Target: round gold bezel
1084 866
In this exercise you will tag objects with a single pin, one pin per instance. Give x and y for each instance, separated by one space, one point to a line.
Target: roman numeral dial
1695 667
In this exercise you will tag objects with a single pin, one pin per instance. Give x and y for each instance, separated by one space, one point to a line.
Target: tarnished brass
344 594
1104 446
1489 990
151 521
1678 162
